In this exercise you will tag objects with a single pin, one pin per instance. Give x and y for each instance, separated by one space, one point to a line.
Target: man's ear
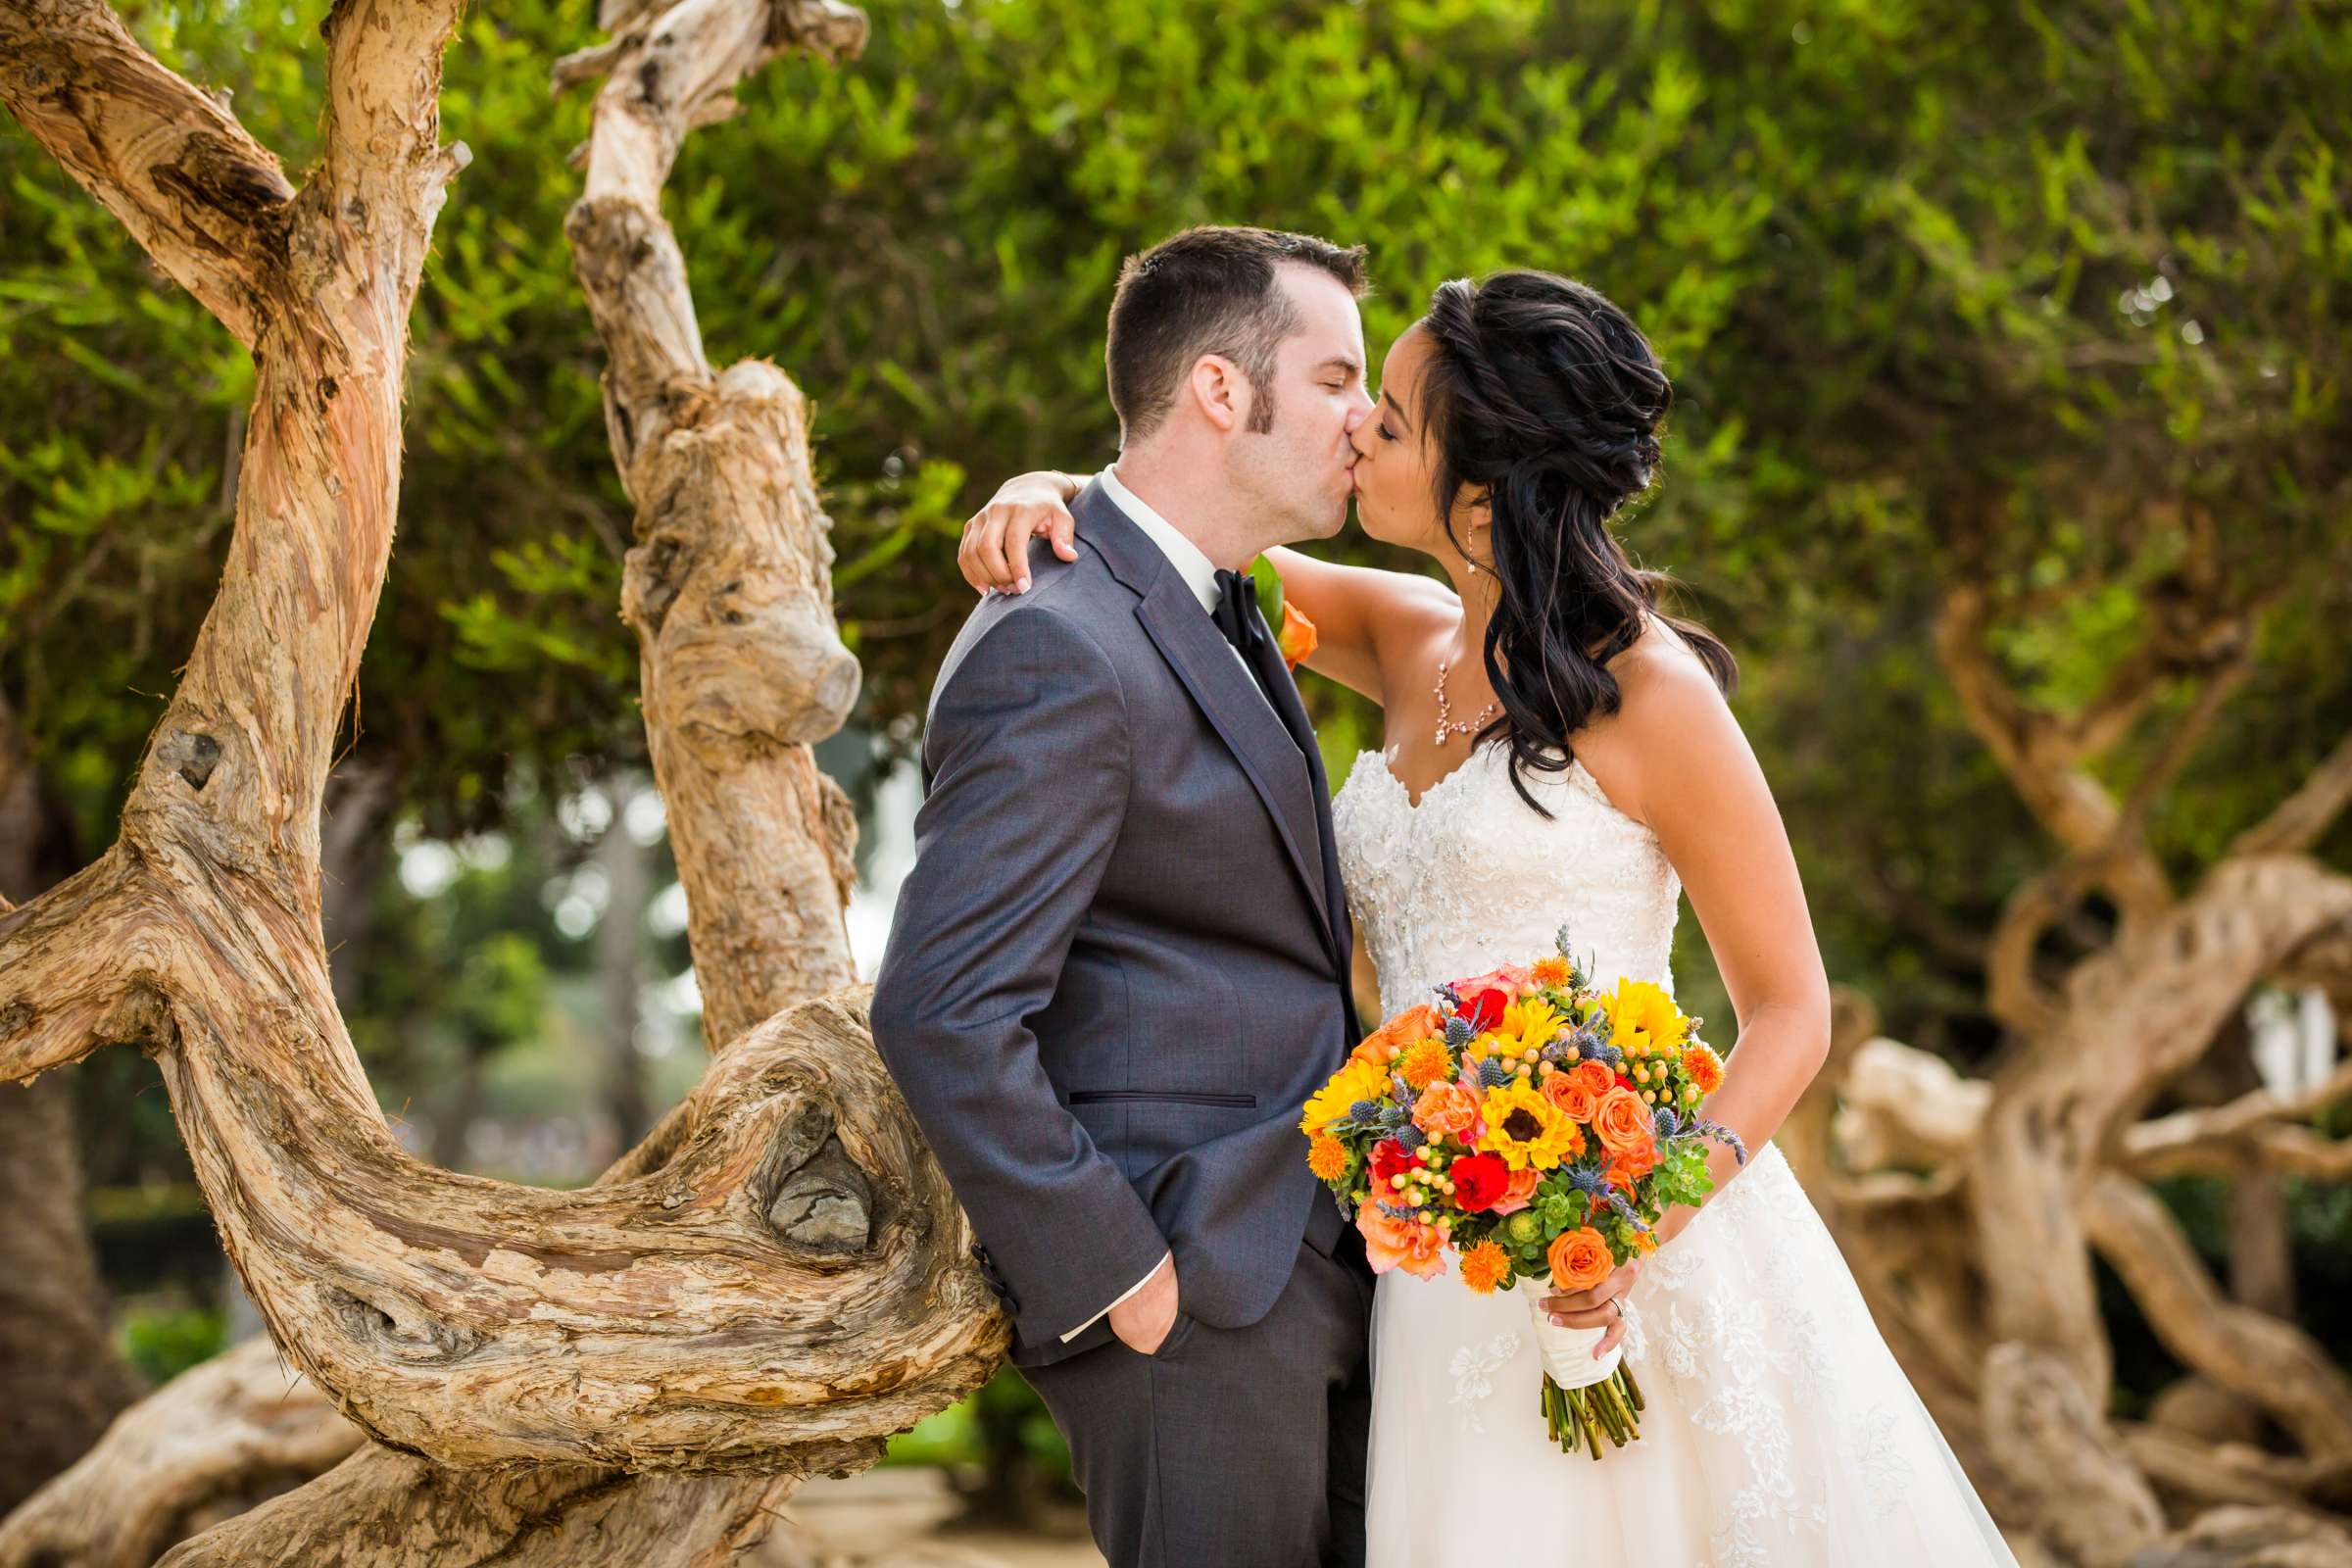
1219 390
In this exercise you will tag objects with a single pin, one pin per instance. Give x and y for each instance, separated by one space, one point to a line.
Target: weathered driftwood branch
794 1248
729 585
2133 1017
2251 1131
2251 1353
385 1509
202 197
211 1444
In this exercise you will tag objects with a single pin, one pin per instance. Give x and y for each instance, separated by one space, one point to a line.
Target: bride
1560 750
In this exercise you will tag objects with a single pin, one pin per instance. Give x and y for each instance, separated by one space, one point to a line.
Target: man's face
1299 471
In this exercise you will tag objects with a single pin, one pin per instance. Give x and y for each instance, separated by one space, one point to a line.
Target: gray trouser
1230 1448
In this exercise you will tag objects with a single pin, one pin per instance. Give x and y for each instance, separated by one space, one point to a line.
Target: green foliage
162 1342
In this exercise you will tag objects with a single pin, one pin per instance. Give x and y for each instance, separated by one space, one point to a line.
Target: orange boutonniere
1293 633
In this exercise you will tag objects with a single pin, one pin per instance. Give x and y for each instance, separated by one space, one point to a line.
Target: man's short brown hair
1208 290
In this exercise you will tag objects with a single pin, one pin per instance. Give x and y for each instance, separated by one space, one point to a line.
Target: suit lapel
1229 697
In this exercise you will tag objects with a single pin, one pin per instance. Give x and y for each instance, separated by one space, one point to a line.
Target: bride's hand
995 552
1600 1307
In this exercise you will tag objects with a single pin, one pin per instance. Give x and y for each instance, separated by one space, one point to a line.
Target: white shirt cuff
1122 1296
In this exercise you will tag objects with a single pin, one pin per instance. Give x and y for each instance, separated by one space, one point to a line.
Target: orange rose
1580 1260
1595 1077
1517 1193
1296 639
1401 1031
1629 1165
1623 1122
1390 1243
1571 1096
1444 1109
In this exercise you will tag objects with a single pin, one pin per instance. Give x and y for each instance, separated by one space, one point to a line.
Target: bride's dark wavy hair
1545 397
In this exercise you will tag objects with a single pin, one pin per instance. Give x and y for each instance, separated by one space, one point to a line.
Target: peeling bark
779 1277
209 1444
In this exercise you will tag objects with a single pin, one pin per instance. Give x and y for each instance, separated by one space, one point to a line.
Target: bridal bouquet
1531 1125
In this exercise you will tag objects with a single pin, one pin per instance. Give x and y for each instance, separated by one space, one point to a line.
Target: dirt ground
901 1518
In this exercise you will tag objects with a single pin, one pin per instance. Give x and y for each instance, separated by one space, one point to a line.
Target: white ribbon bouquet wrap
1568 1358
1586 1397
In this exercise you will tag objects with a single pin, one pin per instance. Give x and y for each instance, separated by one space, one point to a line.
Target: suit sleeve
1028 753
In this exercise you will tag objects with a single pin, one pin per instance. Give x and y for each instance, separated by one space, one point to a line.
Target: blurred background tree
2032 297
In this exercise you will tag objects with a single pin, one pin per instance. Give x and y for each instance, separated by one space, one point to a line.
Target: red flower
1389 1159
1484 1010
1479 1181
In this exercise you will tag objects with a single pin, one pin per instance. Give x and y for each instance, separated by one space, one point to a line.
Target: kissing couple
1121 963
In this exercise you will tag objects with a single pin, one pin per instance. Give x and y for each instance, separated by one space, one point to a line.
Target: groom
1119 966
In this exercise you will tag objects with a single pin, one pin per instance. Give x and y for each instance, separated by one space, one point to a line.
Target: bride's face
1395 464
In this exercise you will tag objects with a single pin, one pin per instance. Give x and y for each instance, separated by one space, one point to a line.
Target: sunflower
1326 1157
1526 1129
1358 1080
1484 1267
1424 1062
1646 1020
1527 1025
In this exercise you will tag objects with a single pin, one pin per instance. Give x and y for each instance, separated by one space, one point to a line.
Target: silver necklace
1445 726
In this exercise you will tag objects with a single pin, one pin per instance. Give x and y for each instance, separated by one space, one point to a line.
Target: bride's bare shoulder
1666 696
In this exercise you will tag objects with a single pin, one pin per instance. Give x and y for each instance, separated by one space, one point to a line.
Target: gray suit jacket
1119 965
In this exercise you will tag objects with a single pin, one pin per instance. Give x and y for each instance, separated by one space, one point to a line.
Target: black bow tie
1237 613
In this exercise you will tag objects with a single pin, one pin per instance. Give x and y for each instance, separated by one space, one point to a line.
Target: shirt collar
1199 573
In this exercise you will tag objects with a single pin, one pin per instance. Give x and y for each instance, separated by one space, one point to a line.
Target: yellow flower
1358 1080
1528 1025
1526 1129
1326 1157
1484 1267
1424 1062
1644 1019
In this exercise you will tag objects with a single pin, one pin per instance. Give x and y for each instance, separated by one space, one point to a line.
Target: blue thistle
1669 1125
1410 1136
1492 1073
1596 1189
1457 1031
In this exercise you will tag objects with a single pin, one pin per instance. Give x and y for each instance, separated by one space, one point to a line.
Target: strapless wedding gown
1780 1432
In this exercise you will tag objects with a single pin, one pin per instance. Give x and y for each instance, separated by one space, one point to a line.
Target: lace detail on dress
1468 877
1473 1377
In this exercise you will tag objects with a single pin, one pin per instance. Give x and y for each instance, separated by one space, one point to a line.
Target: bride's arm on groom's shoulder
995 550
1372 627
1678 761
1368 623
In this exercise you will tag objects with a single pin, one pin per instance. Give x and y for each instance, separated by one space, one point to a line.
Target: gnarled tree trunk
778 1277
59 1379
1980 1273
